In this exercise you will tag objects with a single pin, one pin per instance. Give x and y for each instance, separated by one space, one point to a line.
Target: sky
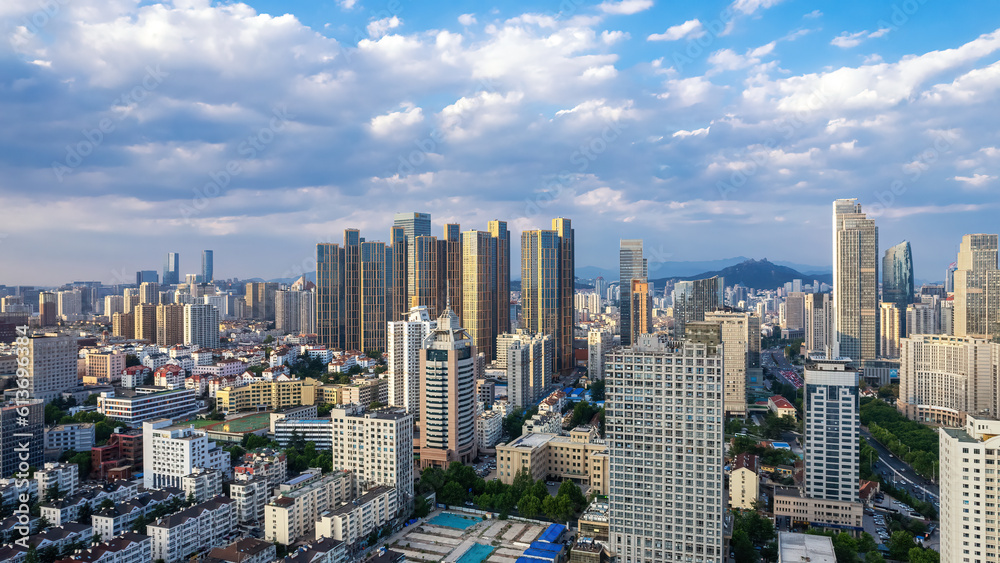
708 129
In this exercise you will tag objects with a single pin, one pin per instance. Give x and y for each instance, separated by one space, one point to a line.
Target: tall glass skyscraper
631 266
547 285
414 225
855 282
171 269
207 266
897 280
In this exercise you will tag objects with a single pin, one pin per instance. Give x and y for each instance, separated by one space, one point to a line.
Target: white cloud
751 6
976 180
813 14
612 37
727 59
467 19
600 73
347 4
379 28
694 133
382 125
625 7
690 29
848 40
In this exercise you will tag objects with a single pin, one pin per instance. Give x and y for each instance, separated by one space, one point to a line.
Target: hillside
756 274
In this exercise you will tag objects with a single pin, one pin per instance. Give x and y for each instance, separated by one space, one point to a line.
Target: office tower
447 394
450 269
600 286
207 266
818 322
52 366
740 333
641 312
413 225
371 293
855 281
260 300
943 378
478 298
22 423
528 360
547 283
145 322
967 454
692 299
666 450
501 290
795 311
48 304
170 453
113 304
307 312
123 325
889 321
977 287
130 298
949 277
170 324
425 275
897 281
631 266
391 465
922 318
201 326
330 295
399 270
70 303
287 307
143 276
149 292
405 340
832 421
599 342
172 269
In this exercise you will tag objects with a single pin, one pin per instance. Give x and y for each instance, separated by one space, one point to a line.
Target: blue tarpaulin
552 533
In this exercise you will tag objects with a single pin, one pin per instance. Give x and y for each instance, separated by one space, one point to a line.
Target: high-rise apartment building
889 321
631 266
207 266
113 304
354 292
149 292
692 299
942 378
447 394
478 290
170 453
599 342
372 291
450 269
330 313
104 368
170 324
172 269
425 275
201 325
52 366
665 434
377 446
547 283
48 308
740 333
413 225
15 430
795 311
855 281
130 297
69 303
501 290
528 360
123 325
352 289
832 421
818 323
397 272
260 300
897 282
294 311
641 308
145 322
922 318
967 455
405 340
977 287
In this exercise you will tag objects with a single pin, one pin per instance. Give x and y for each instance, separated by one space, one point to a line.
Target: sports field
249 423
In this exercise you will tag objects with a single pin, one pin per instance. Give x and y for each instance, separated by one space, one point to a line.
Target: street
901 474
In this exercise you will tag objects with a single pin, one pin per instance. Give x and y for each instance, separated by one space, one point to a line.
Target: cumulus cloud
467 19
751 6
625 7
689 29
379 28
847 40
976 180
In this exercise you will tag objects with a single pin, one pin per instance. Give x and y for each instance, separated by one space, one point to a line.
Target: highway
897 470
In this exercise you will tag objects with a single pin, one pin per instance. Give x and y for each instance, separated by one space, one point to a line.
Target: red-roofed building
170 376
744 482
781 406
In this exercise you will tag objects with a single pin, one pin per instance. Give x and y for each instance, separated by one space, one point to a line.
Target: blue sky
709 129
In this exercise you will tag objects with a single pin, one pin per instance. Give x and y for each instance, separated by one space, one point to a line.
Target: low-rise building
202 484
489 428
543 423
128 548
77 437
120 458
355 520
781 406
67 509
793 547
301 411
270 465
294 512
63 478
169 376
179 536
595 521
114 521
327 550
582 456
789 502
744 482
316 430
134 407
243 550
260 395
57 537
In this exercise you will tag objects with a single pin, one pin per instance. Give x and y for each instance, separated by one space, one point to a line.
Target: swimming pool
450 520
476 554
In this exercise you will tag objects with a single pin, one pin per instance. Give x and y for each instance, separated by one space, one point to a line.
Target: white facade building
201 326
377 446
832 421
404 339
202 526
172 452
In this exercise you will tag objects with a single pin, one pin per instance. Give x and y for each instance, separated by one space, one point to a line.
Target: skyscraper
832 421
944 378
631 266
396 274
897 281
740 334
172 269
977 288
207 266
949 277
413 225
145 322
330 316
478 285
641 308
149 292
818 323
146 276
447 394
528 360
405 339
170 324
450 269
52 366
260 300
201 326
692 299
889 320
547 285
48 307
855 281
501 290
666 449
425 275
15 425
371 293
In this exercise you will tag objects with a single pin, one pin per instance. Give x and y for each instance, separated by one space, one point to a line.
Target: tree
85 513
91 400
874 557
132 360
529 506
235 454
845 547
139 526
743 549
900 544
374 354
921 555
421 507
190 500
106 503
32 555
431 479
53 493
597 391
867 543
42 524
452 493
375 405
572 491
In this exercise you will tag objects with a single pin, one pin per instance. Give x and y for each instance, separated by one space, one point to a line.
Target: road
902 474
776 364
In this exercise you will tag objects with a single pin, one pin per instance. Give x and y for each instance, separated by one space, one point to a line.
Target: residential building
666 482
326 550
692 299
300 502
642 308
149 293
922 318
104 368
832 422
631 266
78 437
15 428
479 298
528 359
145 322
65 477
547 285
356 520
376 446
781 406
249 496
315 430
943 378
169 324
133 407
599 342
977 288
889 328
52 366
262 395
966 453
581 457
202 484
186 533
260 300
855 282
201 325
411 225
123 325
120 458
741 345
243 550
129 548
405 340
171 453
448 394
489 428
744 482
169 376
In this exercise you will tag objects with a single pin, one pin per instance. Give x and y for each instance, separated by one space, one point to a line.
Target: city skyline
662 122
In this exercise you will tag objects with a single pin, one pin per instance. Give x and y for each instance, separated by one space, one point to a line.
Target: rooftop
805 547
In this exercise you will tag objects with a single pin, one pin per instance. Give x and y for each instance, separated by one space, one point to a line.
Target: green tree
85 513
900 544
867 543
743 549
421 507
845 547
42 524
874 557
91 400
53 493
106 503
529 506
431 480
572 491
521 483
921 555
597 391
32 555
452 493
139 526
49 553
132 360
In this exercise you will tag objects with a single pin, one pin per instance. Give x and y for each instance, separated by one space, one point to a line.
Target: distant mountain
756 274
310 276
695 268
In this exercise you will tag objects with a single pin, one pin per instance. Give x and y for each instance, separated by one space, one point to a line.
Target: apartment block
355 520
179 536
300 502
377 446
582 457
171 453
133 407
